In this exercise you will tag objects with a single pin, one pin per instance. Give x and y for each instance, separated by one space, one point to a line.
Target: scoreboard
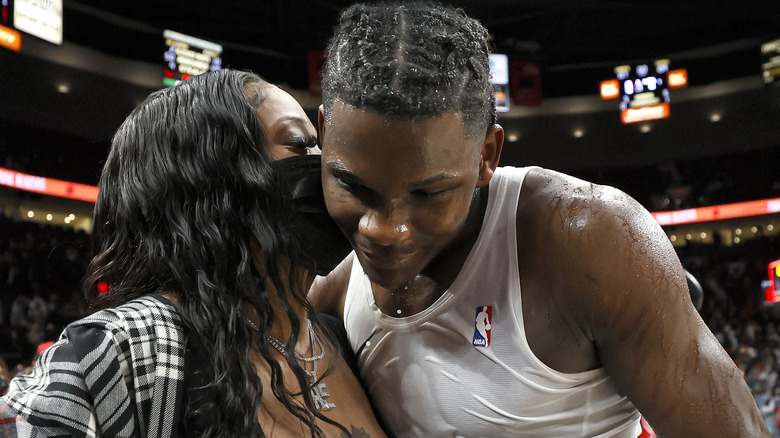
644 91
187 56
770 61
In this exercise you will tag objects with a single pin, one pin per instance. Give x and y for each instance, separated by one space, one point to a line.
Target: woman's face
290 133
288 128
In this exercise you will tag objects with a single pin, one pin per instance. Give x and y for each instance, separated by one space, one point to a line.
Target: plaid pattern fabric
118 372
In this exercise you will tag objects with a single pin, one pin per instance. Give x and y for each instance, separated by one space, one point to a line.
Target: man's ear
320 125
491 153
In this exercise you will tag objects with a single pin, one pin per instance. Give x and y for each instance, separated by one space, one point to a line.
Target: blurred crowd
736 311
699 182
40 273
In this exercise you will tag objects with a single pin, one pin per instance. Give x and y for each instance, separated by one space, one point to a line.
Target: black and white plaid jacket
118 372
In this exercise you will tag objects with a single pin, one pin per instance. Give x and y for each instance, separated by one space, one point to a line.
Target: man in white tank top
496 302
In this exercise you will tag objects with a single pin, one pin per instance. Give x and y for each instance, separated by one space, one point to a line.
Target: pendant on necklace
318 394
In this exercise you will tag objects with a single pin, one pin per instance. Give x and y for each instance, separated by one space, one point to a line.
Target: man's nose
384 227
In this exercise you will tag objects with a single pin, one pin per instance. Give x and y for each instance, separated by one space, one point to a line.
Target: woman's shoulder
134 351
145 311
138 329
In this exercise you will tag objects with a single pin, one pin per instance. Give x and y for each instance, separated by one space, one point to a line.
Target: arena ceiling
273 36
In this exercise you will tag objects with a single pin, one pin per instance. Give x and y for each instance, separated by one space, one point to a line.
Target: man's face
399 189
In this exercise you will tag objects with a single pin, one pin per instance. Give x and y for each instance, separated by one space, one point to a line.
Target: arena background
61 101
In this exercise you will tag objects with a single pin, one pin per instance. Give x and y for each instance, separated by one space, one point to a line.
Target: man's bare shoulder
586 235
562 206
571 196
327 294
611 269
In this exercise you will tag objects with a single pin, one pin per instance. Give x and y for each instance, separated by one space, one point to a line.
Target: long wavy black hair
185 194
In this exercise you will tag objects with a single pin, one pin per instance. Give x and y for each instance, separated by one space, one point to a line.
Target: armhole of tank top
514 267
518 303
511 216
356 294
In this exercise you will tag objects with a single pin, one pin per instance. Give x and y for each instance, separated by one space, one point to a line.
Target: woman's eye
303 143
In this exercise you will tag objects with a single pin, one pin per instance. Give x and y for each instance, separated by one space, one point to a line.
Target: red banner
48 186
316 58
525 80
718 212
83 192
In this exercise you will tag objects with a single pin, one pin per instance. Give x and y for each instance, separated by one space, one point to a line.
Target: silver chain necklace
317 390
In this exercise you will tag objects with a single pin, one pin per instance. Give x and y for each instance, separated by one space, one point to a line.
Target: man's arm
328 294
647 333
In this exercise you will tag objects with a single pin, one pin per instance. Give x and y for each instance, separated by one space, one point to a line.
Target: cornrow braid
411 60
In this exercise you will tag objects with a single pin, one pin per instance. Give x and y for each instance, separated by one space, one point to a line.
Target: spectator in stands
5 376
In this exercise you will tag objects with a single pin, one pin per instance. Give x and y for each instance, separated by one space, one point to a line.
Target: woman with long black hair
209 229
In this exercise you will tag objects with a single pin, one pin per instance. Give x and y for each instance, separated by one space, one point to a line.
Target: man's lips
381 260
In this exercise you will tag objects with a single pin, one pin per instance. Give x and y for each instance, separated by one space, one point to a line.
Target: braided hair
411 60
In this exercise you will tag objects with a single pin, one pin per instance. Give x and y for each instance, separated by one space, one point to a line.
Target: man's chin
390 279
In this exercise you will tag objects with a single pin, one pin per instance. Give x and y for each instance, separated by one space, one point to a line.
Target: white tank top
461 369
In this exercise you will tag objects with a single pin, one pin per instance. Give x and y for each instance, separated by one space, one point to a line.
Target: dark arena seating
40 272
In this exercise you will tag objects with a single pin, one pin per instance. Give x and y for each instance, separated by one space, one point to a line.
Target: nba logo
482 325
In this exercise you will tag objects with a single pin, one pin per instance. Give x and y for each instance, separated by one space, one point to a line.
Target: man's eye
425 194
347 186
359 191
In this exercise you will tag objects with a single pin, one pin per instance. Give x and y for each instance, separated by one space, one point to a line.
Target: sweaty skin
601 283
401 205
290 133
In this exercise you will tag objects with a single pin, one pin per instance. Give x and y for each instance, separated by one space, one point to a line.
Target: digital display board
770 61
644 91
41 18
187 56
677 78
609 89
499 77
10 38
773 291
